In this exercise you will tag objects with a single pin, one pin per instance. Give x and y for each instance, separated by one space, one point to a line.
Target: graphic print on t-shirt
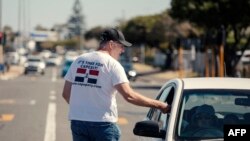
87 73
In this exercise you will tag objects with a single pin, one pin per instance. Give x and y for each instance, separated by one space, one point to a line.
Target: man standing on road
90 90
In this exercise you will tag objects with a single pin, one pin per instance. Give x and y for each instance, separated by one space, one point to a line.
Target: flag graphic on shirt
93 73
80 78
91 76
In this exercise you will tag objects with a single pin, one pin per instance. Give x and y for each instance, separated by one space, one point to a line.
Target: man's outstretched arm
135 98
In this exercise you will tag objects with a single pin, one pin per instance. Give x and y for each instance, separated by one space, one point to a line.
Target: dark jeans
94 131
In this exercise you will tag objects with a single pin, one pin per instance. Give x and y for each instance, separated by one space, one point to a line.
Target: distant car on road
54 60
45 54
128 67
200 107
35 64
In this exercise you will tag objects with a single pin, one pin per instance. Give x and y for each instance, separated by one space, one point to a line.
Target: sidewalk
14 71
148 73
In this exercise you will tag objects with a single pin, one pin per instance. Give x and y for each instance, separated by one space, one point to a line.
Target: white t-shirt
93 96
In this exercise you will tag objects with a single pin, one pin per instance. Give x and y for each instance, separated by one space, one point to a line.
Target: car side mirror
149 128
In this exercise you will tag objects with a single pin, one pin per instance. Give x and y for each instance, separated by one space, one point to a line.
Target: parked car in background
66 64
35 64
200 107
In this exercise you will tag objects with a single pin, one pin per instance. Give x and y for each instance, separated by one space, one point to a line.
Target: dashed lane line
6 117
14 102
52 97
32 102
7 101
50 129
52 92
54 75
122 121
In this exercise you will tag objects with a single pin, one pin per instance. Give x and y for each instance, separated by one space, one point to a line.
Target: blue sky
96 12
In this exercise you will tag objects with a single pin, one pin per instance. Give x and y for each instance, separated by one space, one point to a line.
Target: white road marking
32 102
54 74
50 129
52 92
122 121
6 117
52 97
7 101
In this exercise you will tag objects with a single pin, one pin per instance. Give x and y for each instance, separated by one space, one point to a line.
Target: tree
93 33
211 15
145 30
40 28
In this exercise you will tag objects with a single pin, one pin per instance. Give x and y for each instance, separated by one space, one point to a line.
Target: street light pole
1 46
0 15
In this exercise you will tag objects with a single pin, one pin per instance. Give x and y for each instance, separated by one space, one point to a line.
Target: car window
34 60
155 114
167 97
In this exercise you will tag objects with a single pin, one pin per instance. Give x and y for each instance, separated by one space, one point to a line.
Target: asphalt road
32 108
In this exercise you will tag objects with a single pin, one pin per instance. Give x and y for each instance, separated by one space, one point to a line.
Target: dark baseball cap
115 35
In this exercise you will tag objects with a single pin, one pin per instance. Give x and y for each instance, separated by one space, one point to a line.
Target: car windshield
204 112
34 60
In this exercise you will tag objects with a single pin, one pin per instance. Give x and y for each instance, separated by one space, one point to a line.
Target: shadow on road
133 113
149 72
146 87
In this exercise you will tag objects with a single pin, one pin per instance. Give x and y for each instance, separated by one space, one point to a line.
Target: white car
45 54
69 55
200 107
54 60
35 64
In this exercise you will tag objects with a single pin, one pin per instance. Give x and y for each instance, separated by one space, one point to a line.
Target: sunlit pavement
13 72
149 74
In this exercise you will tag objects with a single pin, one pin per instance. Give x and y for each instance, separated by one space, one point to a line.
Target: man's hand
166 109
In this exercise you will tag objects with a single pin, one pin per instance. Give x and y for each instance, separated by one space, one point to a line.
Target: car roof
216 83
